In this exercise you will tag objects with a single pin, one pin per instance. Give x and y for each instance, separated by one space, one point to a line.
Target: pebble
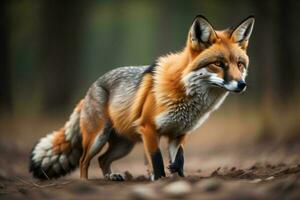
209 185
143 193
178 188
258 180
270 178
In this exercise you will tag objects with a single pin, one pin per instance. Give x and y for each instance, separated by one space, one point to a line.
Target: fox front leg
176 155
153 153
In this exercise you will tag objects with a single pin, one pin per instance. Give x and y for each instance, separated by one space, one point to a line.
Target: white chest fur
183 116
214 107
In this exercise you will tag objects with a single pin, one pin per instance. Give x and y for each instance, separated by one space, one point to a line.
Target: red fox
168 99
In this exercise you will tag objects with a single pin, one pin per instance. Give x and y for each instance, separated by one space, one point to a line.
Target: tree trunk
61 27
287 65
5 75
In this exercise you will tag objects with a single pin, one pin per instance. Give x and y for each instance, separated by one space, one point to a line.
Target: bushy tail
59 152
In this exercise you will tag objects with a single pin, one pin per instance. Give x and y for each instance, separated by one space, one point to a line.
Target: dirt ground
255 173
224 159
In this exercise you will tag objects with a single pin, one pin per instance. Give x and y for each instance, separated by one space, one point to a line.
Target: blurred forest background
52 51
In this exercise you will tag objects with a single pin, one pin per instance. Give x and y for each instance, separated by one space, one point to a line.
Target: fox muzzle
235 86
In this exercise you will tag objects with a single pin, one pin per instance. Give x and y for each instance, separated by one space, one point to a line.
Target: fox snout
236 86
241 86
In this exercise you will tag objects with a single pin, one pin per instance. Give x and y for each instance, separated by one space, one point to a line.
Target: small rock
178 188
143 192
215 172
258 180
233 169
128 176
270 178
209 185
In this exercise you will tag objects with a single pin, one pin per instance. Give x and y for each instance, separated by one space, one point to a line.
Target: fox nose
241 85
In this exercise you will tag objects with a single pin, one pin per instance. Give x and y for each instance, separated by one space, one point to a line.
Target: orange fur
144 89
147 128
124 118
167 81
88 138
60 145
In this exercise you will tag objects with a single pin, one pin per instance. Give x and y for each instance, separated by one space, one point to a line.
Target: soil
254 172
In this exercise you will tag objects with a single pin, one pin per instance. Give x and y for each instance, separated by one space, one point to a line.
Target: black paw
177 165
175 168
115 177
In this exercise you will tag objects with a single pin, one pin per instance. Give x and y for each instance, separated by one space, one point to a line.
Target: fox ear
242 32
201 33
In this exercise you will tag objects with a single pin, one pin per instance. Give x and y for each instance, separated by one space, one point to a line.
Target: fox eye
241 65
219 64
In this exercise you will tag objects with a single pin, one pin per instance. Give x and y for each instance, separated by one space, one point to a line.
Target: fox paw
115 177
153 178
173 168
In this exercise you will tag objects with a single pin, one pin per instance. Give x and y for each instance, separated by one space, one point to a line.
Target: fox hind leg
94 126
118 148
92 146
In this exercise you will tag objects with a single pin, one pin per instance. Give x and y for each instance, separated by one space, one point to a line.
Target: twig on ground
31 183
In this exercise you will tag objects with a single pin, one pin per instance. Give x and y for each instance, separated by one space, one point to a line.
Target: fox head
217 58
